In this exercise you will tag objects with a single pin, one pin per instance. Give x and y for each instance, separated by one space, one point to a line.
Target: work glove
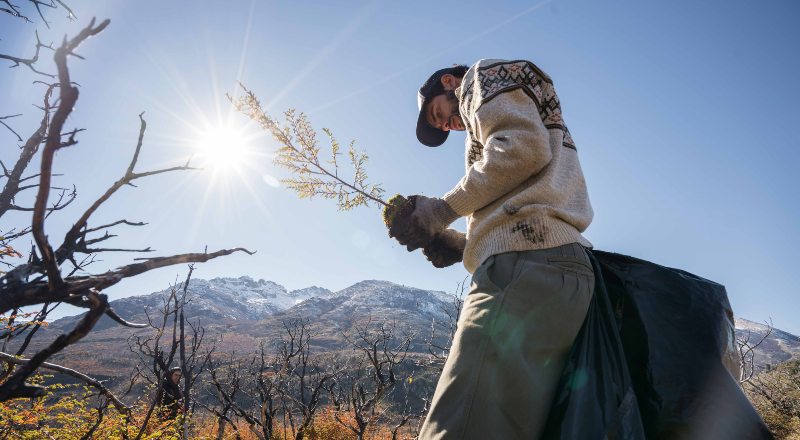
415 226
446 249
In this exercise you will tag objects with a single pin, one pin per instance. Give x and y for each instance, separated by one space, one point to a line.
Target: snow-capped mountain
245 311
215 300
245 300
372 296
332 316
238 314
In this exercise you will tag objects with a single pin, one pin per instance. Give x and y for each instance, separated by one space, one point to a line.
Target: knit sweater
523 188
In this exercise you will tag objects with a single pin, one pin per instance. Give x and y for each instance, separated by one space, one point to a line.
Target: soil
398 206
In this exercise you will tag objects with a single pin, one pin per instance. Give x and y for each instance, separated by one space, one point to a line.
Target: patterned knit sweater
523 188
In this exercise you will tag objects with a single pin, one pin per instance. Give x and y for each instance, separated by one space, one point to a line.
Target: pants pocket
572 264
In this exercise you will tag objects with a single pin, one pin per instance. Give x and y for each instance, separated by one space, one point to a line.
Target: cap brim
427 134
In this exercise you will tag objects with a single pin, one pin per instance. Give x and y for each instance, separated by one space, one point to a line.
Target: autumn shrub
63 417
73 412
776 396
324 427
70 411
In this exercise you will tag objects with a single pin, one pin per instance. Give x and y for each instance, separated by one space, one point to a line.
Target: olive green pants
523 312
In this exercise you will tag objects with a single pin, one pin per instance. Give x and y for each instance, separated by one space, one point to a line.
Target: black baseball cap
426 133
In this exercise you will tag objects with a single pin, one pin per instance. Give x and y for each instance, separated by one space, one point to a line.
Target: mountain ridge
248 310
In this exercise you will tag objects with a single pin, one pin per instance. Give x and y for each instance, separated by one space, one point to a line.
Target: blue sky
683 112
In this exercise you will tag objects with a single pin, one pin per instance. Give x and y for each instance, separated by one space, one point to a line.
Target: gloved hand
416 228
446 249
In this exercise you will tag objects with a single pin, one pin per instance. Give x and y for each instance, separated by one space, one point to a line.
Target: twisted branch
30 148
68 97
79 230
37 292
121 407
29 61
16 387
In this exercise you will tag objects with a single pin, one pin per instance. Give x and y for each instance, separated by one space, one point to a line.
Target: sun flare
223 149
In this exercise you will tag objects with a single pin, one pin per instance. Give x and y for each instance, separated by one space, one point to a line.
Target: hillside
777 345
241 312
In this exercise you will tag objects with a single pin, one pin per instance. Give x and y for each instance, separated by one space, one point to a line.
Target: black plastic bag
675 332
596 398
678 335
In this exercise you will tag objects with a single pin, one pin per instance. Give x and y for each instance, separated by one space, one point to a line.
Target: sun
223 149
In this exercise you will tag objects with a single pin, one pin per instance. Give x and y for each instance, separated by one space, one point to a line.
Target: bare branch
68 97
37 292
70 15
113 315
72 237
118 222
98 250
747 353
30 148
37 322
14 10
16 387
56 206
143 127
29 61
19 138
121 407
38 5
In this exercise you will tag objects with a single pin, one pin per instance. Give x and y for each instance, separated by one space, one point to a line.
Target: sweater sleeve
515 147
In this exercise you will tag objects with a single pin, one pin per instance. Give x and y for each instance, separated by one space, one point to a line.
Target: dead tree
372 377
443 331
50 274
439 343
406 414
264 373
747 351
192 359
170 341
224 386
305 378
287 385
247 390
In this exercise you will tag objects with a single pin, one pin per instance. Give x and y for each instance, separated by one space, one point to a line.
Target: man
170 396
526 205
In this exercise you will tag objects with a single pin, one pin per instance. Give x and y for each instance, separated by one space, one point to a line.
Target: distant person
526 204
170 396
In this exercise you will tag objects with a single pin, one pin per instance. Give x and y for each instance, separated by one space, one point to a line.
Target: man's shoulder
508 69
490 78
